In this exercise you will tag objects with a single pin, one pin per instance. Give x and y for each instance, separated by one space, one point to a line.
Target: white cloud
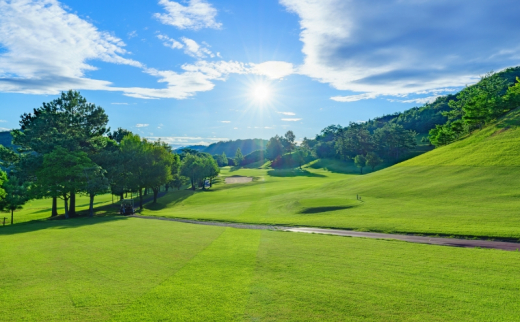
273 69
352 98
119 103
235 128
3 120
225 121
43 39
170 42
428 99
396 47
132 34
288 113
188 141
291 119
4 129
196 15
142 125
193 49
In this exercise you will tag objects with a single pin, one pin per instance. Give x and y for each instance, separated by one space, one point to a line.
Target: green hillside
463 189
6 138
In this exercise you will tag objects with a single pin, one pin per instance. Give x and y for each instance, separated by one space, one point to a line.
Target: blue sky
198 71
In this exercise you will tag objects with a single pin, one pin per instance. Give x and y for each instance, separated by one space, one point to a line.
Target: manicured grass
41 209
121 269
467 188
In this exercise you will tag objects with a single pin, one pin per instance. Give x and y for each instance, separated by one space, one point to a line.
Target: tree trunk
54 206
155 193
12 217
361 170
72 209
66 208
121 197
91 210
192 184
140 198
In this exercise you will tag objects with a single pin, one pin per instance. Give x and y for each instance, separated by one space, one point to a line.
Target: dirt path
488 244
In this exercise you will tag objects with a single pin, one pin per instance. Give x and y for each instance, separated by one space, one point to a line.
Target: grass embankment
464 189
125 269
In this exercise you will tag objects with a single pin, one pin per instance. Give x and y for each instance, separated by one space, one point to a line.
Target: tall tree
62 172
191 168
239 158
361 162
274 148
16 195
373 160
289 142
96 183
69 122
223 159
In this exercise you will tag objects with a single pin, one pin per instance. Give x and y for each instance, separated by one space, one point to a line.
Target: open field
116 268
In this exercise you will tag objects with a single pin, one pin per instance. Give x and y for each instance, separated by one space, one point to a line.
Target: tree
239 158
159 170
361 162
62 173
16 195
274 148
223 160
373 160
119 134
191 168
299 155
289 143
69 122
96 183
178 181
211 170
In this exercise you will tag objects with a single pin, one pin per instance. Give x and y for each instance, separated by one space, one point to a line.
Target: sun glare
261 92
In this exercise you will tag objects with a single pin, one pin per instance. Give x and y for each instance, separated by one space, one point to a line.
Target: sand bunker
238 180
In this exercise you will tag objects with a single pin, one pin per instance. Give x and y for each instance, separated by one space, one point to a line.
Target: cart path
452 242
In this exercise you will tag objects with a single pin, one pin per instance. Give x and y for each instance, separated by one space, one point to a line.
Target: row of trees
65 148
476 106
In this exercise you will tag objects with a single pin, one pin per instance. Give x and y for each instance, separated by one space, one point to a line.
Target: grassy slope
115 268
466 189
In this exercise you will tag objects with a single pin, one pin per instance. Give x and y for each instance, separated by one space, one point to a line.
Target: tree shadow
292 173
169 200
58 223
321 209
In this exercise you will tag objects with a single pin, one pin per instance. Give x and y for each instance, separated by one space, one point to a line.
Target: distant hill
247 146
194 147
6 138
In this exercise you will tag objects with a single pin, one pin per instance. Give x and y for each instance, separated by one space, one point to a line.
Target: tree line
64 148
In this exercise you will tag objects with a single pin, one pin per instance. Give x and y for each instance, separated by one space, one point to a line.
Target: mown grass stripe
213 286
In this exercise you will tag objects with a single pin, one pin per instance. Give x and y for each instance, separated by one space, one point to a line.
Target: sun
261 92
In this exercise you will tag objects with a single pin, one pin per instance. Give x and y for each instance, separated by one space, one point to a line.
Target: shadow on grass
292 173
169 200
321 209
58 223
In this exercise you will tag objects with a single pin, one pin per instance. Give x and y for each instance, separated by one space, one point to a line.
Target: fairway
464 189
125 269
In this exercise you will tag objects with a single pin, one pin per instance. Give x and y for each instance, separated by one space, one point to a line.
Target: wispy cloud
288 113
225 121
428 99
119 103
273 69
3 120
142 125
196 15
190 46
353 98
291 119
187 140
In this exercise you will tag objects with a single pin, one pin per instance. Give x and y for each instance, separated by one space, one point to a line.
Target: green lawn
41 209
126 269
468 188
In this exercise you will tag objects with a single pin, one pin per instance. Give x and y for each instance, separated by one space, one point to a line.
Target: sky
201 71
